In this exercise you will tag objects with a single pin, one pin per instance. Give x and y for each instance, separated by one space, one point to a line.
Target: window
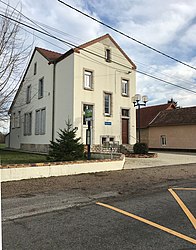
125 112
41 88
40 121
112 139
18 119
35 69
108 55
103 140
163 140
125 87
27 123
14 120
28 99
107 140
107 104
86 106
88 79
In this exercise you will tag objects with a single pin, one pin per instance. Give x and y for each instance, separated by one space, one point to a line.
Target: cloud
161 92
77 28
169 26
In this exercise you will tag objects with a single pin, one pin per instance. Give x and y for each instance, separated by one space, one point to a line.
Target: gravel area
127 181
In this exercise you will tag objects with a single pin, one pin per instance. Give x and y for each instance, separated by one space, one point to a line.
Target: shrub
67 147
140 148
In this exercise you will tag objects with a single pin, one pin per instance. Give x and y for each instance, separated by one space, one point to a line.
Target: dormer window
108 55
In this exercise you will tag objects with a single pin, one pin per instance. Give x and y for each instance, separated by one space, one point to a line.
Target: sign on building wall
108 123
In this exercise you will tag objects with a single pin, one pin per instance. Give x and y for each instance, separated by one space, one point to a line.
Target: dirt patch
124 181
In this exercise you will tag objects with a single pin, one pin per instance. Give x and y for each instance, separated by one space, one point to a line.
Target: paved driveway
163 159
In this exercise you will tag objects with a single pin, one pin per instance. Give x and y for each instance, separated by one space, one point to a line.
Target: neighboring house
97 75
174 129
147 115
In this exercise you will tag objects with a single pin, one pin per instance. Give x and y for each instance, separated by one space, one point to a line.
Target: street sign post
88 118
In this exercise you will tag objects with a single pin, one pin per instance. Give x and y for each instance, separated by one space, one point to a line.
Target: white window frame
163 139
108 109
125 87
40 121
88 79
41 88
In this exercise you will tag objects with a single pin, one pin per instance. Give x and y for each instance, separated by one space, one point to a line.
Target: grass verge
15 157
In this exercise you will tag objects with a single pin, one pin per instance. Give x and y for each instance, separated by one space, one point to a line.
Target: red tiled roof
181 116
148 114
48 54
87 44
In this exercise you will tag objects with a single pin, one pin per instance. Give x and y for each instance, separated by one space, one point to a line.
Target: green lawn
13 157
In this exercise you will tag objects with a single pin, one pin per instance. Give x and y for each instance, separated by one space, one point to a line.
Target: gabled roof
85 45
55 57
148 114
180 116
51 56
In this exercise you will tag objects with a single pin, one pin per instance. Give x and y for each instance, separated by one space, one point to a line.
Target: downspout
9 138
53 100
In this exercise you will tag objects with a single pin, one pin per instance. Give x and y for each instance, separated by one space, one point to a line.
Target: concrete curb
39 170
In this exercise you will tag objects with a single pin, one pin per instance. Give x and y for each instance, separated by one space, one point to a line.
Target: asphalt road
91 225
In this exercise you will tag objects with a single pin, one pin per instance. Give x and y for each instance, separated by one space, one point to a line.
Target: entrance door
125 128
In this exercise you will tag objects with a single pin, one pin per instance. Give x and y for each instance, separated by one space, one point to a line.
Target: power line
159 79
39 24
73 45
123 34
151 76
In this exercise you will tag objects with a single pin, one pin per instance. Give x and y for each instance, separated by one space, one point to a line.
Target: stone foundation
35 148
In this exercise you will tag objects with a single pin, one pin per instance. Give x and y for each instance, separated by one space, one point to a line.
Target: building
147 115
174 129
97 75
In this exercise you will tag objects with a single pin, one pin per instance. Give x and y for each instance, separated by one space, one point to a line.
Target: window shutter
43 121
37 121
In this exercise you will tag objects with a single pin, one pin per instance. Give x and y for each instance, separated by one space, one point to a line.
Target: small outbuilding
174 129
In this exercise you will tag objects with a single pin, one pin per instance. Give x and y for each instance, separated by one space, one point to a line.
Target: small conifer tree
67 147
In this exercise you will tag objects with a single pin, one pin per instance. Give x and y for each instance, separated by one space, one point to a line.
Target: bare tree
14 52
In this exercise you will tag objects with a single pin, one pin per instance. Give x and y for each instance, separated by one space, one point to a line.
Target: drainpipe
53 99
9 138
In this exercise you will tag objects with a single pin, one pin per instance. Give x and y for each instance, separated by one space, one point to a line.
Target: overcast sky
169 26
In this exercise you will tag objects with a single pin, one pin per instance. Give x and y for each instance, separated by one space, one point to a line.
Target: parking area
174 215
156 220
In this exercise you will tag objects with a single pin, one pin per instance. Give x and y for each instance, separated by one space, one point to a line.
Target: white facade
82 78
